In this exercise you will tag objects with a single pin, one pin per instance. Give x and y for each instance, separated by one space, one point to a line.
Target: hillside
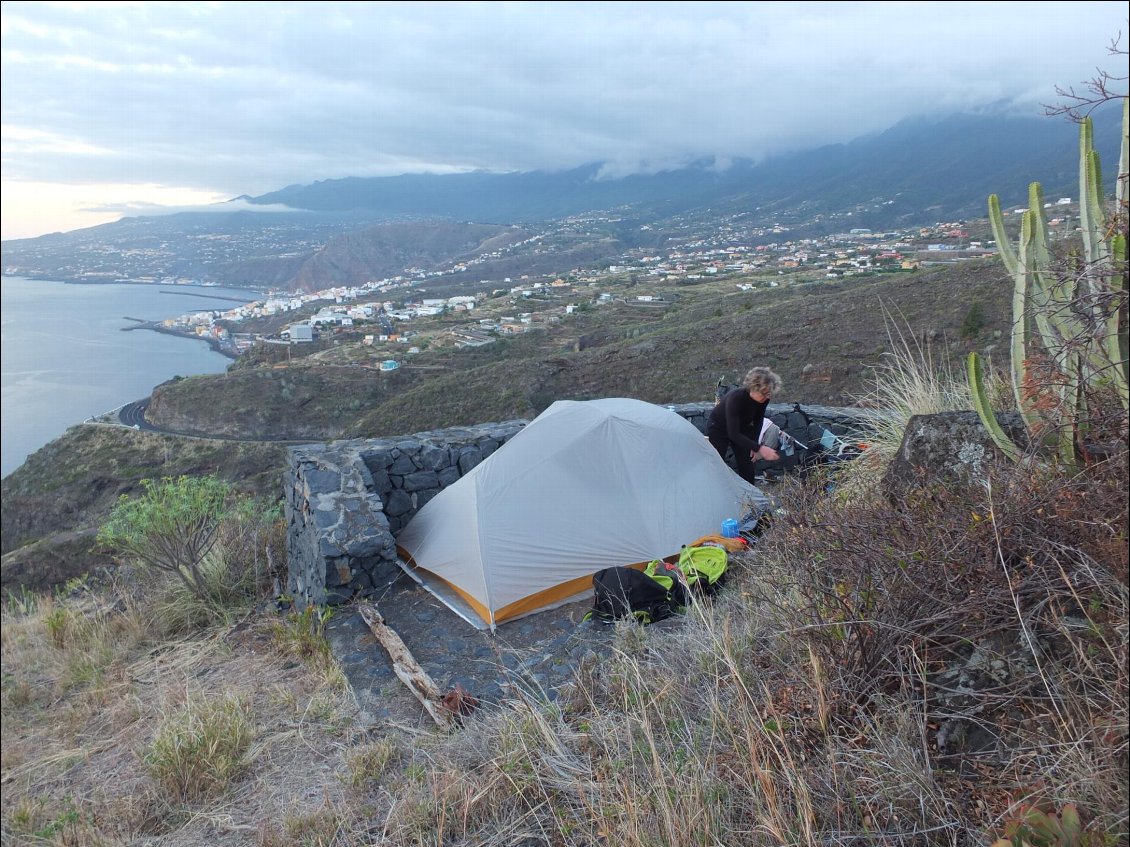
384 251
823 338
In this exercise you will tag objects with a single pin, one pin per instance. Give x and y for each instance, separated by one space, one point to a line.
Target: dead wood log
405 666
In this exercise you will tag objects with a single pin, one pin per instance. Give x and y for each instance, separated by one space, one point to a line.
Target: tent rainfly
584 486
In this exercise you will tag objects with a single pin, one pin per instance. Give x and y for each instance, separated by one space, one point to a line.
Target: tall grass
199 750
913 379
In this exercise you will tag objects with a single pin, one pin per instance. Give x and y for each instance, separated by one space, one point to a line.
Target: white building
301 332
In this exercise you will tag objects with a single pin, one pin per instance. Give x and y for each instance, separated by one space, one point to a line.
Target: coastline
107 281
253 293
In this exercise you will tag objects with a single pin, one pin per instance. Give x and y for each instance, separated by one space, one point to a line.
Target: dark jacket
738 416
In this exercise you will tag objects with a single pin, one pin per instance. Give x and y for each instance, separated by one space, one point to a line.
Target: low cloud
241 98
138 209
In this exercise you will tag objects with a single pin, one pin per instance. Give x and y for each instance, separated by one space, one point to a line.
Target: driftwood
407 668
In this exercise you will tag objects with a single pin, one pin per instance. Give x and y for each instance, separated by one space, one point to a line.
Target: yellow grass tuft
200 749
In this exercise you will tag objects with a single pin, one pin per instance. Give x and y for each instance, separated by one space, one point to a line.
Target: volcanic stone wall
346 500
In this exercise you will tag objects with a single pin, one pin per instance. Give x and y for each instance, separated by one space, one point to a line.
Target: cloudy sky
110 107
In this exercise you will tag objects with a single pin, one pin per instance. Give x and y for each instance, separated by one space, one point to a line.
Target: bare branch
1102 88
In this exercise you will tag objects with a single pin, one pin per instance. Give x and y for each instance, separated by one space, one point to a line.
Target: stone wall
346 501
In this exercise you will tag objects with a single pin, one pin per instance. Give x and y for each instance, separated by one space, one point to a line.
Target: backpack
722 389
704 567
671 578
620 592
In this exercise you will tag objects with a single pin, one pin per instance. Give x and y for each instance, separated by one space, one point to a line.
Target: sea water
65 357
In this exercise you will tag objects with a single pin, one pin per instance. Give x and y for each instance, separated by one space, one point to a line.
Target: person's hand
768 453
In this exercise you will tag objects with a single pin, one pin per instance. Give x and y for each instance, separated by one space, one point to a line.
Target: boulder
947 448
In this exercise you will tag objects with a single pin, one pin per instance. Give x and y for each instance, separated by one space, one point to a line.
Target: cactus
985 411
1073 324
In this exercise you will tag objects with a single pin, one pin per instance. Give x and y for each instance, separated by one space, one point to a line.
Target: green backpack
704 567
668 576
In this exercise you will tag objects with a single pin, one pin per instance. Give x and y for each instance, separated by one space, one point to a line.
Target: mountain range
347 231
945 166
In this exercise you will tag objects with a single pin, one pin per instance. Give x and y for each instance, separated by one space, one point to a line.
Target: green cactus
985 410
1075 322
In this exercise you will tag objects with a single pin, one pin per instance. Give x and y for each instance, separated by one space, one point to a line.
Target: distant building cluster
734 249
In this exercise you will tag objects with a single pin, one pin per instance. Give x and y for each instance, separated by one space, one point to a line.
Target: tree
172 526
974 320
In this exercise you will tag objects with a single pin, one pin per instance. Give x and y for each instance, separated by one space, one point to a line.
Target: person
736 421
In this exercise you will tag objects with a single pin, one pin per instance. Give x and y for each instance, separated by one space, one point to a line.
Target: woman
735 421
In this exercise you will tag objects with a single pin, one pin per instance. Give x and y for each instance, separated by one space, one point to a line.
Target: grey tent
584 486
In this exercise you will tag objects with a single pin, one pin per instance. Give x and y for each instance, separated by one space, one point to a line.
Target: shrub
974 320
171 527
1030 573
225 550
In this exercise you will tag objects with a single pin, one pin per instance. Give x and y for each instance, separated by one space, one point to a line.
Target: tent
584 486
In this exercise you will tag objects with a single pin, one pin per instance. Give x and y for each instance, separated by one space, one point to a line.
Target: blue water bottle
729 528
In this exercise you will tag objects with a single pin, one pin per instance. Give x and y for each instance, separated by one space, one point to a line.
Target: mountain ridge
1017 144
916 173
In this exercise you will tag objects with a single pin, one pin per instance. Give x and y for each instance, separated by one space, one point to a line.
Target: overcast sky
109 106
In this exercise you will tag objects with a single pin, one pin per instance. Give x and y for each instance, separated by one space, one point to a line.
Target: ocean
65 357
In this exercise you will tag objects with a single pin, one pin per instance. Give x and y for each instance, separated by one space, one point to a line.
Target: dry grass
912 379
199 750
113 734
904 673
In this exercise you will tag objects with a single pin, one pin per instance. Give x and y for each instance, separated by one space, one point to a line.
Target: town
391 315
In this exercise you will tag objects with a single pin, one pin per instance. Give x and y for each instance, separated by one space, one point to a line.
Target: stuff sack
621 592
704 567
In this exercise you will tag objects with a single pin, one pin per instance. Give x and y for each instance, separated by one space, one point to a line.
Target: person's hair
762 380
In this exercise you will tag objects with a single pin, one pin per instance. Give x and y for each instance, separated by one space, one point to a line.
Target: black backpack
798 450
722 389
621 592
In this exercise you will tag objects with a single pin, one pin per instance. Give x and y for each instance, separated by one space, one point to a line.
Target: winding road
132 415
